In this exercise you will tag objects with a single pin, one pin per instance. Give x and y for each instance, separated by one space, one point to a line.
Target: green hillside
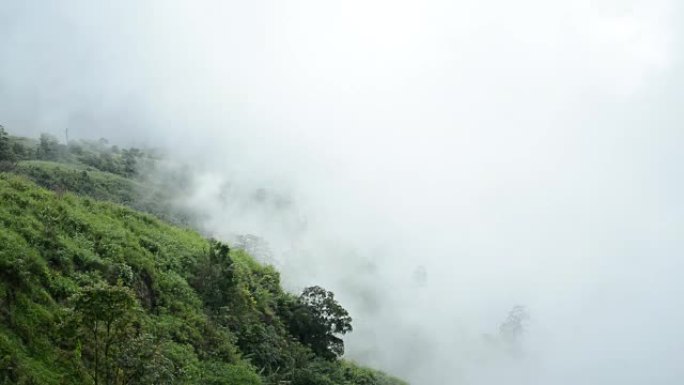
83 180
97 170
94 292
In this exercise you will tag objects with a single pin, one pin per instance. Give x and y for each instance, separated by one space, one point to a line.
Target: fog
434 163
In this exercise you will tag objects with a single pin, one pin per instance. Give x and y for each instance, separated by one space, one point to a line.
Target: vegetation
93 169
93 292
7 155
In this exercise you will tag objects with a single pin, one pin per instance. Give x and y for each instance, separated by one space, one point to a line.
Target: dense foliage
92 292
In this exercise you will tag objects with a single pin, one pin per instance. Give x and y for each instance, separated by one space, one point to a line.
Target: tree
255 246
6 153
8 160
129 162
142 361
19 151
105 315
316 319
214 277
513 328
48 147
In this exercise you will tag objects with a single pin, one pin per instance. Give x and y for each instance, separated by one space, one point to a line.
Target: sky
434 163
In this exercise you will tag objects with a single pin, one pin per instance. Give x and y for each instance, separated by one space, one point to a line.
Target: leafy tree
214 276
142 361
106 315
316 319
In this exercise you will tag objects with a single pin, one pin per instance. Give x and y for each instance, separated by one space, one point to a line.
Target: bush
218 373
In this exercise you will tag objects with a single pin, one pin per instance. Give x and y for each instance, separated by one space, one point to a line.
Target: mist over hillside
434 163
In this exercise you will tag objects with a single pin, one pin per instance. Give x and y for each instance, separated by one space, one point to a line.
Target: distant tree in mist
7 156
129 158
513 328
420 276
48 147
5 150
20 152
256 246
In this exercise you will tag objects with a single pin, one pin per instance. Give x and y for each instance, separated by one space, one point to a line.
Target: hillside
97 170
94 292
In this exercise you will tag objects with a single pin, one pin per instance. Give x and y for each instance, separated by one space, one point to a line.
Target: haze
435 163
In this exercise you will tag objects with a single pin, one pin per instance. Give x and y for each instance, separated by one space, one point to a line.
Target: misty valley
358 192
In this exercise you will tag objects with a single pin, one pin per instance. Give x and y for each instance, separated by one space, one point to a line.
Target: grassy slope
99 171
59 244
80 179
53 245
88 181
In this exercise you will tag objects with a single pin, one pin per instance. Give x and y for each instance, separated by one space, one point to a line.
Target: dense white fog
434 163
